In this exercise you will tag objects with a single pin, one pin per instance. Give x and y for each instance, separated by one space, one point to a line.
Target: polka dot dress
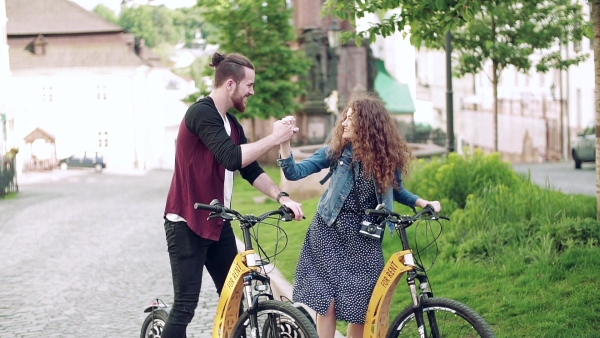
337 263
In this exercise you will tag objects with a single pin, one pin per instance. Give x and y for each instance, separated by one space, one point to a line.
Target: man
211 145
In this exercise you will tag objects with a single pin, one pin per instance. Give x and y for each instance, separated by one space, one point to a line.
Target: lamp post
332 100
333 52
449 96
333 34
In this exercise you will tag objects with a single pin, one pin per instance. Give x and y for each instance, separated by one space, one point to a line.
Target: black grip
375 212
213 208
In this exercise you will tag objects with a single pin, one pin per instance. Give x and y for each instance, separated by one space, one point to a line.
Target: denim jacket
341 183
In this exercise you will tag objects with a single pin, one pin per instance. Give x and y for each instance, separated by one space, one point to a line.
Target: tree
139 21
596 20
166 32
106 13
426 20
513 33
501 32
261 30
189 22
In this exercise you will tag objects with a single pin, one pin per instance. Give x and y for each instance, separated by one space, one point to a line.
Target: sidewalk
31 177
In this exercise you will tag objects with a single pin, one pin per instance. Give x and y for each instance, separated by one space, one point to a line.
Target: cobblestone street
84 253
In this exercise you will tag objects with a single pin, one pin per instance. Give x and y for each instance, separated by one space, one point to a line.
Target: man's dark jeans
189 253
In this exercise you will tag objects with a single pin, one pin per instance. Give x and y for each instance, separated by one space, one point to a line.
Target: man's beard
238 101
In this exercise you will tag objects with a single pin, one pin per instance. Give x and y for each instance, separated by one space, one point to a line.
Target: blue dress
337 263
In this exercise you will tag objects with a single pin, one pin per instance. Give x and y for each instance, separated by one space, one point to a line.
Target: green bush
496 213
572 232
456 177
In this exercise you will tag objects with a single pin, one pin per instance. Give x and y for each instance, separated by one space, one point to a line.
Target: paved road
562 176
84 253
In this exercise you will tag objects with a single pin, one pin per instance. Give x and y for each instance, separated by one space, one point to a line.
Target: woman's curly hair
378 144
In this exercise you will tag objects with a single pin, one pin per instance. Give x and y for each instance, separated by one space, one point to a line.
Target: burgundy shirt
202 153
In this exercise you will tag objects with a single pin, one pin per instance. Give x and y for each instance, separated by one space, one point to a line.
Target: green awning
394 94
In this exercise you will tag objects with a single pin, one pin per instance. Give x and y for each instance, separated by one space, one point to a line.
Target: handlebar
219 210
396 218
212 208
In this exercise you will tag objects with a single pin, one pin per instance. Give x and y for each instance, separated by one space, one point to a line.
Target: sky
115 5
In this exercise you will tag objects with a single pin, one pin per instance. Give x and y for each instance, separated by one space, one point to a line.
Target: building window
102 139
101 92
47 94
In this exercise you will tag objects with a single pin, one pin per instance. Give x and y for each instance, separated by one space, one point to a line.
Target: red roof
33 17
67 36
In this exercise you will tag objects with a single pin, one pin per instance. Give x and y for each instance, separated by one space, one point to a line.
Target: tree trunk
495 87
596 20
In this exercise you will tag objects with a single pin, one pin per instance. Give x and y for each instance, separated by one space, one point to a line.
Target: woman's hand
437 207
285 149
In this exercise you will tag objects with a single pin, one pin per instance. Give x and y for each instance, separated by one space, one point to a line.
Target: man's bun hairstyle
216 60
229 66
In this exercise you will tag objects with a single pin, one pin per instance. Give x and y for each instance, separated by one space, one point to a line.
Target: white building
4 75
90 85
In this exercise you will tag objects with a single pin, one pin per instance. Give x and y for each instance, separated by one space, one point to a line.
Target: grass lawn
520 294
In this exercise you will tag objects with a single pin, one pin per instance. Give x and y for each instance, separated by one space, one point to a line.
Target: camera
370 230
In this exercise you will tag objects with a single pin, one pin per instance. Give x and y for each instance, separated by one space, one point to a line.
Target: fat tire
450 314
294 323
153 328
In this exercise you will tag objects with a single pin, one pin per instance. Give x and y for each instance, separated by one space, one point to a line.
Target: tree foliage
261 30
595 4
106 13
426 20
519 33
162 29
190 21
139 21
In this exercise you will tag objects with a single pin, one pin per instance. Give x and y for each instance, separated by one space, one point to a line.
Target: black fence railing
8 177
420 133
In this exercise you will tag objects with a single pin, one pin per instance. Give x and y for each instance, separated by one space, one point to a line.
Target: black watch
281 194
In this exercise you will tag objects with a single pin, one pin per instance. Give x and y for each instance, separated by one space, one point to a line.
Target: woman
338 267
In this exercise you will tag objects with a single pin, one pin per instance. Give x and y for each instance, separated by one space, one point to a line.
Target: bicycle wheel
276 319
443 317
154 324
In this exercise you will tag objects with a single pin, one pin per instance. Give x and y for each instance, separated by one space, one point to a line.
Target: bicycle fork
252 300
418 305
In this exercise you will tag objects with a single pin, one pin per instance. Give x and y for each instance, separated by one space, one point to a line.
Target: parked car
583 148
84 159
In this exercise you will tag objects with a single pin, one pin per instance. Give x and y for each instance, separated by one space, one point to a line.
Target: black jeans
189 253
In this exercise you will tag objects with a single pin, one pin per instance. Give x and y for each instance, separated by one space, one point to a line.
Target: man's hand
290 120
294 206
283 131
